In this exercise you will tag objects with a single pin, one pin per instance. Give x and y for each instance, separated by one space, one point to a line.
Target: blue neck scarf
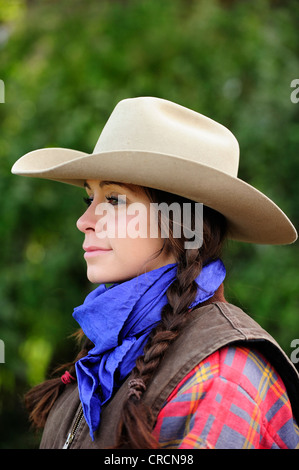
118 320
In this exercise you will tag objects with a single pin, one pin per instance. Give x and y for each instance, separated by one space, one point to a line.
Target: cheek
120 224
138 242
132 223
136 234
134 256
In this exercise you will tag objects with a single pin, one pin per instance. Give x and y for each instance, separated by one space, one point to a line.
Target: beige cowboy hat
159 144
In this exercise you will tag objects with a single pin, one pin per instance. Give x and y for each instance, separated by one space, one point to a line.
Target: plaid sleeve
232 400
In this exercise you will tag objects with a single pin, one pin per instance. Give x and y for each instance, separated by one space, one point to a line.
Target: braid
40 399
136 423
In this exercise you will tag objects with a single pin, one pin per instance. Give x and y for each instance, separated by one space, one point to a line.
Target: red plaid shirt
232 400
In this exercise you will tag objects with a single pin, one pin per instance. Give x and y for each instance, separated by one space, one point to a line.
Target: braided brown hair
136 423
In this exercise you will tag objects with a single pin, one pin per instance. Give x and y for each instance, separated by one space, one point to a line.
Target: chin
96 278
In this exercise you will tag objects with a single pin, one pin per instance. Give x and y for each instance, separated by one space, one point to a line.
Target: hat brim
252 217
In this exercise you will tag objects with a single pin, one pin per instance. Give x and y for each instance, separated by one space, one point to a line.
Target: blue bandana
118 320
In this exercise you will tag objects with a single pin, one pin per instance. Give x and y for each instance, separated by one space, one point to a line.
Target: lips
91 251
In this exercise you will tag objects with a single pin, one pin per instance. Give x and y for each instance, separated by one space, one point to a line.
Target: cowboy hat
159 144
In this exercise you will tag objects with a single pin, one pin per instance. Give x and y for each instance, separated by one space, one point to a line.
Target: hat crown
156 125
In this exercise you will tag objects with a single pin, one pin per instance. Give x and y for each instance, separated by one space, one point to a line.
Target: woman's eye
114 200
88 200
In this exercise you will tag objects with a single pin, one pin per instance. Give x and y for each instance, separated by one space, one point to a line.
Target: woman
166 361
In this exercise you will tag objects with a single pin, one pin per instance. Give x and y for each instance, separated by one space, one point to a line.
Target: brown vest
210 328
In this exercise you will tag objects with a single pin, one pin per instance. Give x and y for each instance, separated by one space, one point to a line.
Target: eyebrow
108 183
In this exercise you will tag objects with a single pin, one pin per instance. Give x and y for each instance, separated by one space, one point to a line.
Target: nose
87 221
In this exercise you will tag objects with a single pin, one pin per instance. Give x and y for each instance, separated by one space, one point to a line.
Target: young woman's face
119 244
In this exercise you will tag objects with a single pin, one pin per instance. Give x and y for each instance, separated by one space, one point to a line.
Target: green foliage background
65 65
